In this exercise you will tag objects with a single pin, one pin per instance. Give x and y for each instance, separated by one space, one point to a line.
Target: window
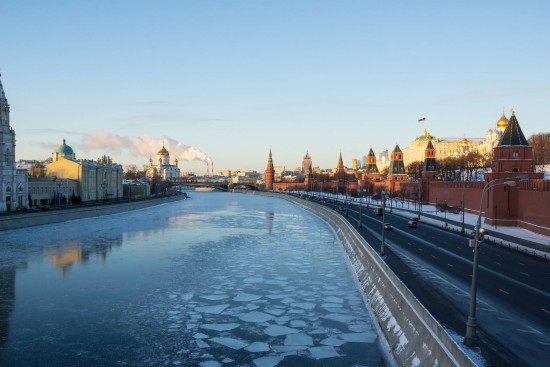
515 154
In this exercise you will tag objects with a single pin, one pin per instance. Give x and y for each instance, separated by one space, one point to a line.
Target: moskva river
220 279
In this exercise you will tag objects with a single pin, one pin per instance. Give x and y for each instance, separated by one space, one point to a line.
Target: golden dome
163 151
503 122
464 141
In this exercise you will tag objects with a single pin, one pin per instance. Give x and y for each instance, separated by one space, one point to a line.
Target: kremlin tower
269 173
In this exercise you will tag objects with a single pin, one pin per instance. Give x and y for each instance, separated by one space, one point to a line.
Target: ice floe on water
277 330
258 347
246 297
267 361
220 327
323 352
298 339
216 309
230 342
256 316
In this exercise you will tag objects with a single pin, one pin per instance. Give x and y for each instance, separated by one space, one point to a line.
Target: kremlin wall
516 195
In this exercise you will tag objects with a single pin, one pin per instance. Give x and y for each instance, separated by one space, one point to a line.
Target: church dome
425 136
64 150
163 151
503 122
464 141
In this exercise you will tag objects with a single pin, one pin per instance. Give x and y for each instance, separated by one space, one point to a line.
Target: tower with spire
396 170
513 156
340 169
371 169
306 164
13 183
429 168
269 172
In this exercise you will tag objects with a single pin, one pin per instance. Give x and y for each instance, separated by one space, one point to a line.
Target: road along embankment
29 219
414 337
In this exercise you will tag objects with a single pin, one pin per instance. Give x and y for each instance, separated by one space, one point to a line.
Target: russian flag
421 119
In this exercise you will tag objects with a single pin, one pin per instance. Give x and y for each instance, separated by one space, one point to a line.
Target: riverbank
37 218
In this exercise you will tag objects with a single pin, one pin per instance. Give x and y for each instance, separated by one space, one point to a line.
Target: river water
220 279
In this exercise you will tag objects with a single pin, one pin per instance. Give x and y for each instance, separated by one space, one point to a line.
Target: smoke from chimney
144 146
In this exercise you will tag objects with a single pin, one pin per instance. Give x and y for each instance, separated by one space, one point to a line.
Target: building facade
97 180
13 181
47 191
453 147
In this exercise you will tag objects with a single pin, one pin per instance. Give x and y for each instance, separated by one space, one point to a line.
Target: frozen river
219 279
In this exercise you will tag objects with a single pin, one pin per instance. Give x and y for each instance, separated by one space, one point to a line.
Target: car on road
387 227
341 208
412 224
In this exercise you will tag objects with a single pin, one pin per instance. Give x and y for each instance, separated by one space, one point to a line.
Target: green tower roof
513 136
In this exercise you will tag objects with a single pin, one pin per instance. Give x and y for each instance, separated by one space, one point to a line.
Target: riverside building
13 181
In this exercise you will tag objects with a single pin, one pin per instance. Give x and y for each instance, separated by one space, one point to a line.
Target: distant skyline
228 80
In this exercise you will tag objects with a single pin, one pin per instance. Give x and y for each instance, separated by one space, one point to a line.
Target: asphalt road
513 298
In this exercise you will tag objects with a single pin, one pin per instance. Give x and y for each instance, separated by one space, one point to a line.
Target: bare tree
37 170
414 169
131 172
541 149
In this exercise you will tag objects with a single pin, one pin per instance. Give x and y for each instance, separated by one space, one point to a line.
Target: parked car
341 208
387 227
412 223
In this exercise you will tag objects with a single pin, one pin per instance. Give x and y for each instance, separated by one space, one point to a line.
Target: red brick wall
534 206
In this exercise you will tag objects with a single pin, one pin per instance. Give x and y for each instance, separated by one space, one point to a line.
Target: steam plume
143 145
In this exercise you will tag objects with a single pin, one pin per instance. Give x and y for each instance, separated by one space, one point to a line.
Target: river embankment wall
414 337
30 219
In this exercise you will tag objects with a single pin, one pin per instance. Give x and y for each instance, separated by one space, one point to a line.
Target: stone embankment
36 218
413 336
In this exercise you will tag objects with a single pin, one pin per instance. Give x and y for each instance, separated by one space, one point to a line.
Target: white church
13 182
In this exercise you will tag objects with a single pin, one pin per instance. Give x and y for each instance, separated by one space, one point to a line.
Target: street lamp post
361 208
471 323
445 213
382 246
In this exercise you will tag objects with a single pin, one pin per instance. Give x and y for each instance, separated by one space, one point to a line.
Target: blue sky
233 78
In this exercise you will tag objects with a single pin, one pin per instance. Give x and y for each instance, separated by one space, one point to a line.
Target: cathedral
13 182
163 168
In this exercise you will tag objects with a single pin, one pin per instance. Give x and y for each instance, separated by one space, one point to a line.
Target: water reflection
64 256
7 300
269 216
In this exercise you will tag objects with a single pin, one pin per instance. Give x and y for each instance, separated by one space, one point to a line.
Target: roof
163 151
430 145
2 95
64 149
513 136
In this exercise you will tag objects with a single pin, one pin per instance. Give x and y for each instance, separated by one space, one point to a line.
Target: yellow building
453 147
97 180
